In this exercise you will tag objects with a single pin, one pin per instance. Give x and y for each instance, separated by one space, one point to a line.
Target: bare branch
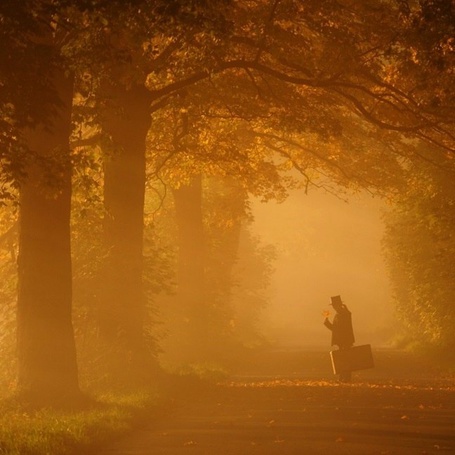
161 197
366 184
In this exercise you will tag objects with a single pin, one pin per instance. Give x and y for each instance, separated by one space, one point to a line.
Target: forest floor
288 402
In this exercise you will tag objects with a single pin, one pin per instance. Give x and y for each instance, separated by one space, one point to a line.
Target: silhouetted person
342 332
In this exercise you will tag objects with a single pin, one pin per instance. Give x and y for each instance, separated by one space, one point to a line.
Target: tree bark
122 302
47 365
191 269
226 201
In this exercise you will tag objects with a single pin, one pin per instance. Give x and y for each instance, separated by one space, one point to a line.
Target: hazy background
325 246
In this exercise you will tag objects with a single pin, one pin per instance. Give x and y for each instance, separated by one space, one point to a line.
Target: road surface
288 402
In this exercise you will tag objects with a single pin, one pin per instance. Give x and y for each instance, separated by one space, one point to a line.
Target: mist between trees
134 135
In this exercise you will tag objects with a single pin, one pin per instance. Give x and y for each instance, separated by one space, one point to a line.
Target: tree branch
265 30
332 83
330 163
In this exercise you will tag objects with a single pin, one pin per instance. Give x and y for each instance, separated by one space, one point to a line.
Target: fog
325 247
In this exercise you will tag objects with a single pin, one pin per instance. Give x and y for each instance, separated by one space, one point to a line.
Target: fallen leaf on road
438 447
189 443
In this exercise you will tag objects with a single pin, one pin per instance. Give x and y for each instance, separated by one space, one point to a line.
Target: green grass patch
49 431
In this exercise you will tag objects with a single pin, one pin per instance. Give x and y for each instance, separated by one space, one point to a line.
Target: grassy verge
104 416
57 432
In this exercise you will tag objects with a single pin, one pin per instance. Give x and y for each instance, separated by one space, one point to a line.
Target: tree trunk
122 303
47 366
191 270
226 201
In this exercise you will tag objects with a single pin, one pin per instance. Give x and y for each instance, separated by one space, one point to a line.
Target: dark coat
341 327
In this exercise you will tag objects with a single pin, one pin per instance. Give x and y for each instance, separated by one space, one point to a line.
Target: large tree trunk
47 367
122 302
191 270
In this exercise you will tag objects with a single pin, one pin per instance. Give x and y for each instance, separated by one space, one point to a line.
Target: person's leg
345 376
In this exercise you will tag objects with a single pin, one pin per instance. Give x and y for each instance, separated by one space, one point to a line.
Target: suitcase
355 358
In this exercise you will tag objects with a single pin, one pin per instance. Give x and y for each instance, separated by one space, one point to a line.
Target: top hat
336 300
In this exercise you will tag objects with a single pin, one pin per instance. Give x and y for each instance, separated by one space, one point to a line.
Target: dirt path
289 403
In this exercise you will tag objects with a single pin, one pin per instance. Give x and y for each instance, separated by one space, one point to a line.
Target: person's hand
326 314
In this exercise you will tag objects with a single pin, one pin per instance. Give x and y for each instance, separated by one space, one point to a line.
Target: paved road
401 407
